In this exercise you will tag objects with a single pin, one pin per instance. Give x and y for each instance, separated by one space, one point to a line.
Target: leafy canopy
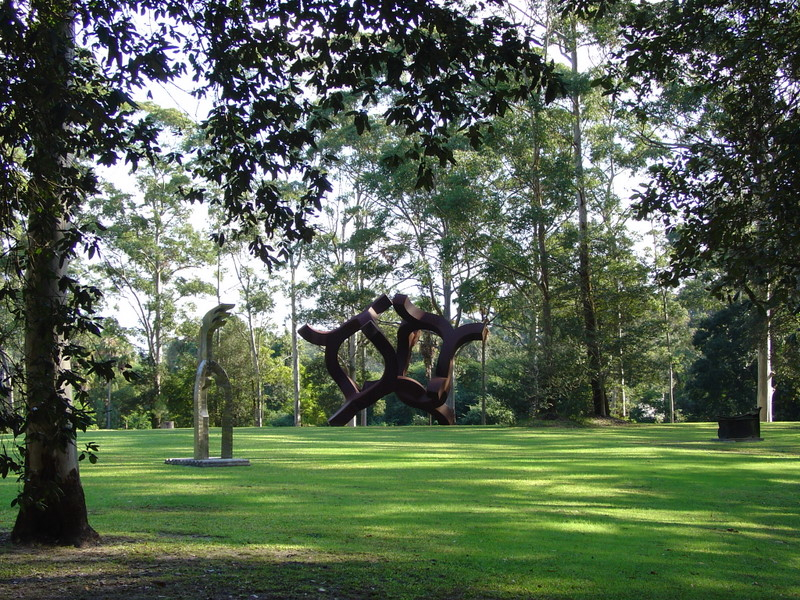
278 71
724 76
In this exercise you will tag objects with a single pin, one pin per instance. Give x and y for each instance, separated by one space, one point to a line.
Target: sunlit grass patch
435 512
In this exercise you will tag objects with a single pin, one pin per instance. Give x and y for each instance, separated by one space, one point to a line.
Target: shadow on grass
131 570
478 514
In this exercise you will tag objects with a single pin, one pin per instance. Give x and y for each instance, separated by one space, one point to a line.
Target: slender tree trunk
668 336
623 408
157 331
596 379
764 398
362 367
447 310
544 364
246 283
351 369
295 353
427 348
53 506
544 287
7 380
157 407
541 243
258 408
108 406
670 359
483 380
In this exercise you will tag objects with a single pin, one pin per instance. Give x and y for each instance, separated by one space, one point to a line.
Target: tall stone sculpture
430 398
207 368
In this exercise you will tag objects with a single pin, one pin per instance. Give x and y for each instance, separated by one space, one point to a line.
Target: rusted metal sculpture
431 398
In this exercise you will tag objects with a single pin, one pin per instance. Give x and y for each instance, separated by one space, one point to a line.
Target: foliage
137 420
428 55
280 419
233 354
179 375
496 413
723 379
726 82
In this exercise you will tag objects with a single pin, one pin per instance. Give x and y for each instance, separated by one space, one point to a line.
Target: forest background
594 303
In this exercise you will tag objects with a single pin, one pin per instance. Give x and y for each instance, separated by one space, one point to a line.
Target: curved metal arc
452 343
373 390
418 318
333 340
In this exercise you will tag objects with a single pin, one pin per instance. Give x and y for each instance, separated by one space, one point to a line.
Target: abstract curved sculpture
206 367
431 398
355 399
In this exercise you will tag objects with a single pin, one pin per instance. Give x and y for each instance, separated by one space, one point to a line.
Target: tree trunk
764 398
258 408
7 382
544 287
623 393
483 380
591 329
295 354
53 506
447 313
351 370
541 244
667 332
158 408
108 405
362 367
544 366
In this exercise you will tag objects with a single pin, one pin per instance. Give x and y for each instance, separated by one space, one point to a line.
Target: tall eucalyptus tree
151 252
721 76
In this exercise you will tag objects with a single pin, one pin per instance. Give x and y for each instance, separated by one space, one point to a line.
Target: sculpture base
208 462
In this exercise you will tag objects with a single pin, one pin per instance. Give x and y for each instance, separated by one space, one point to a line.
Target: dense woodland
507 235
540 232
610 186
497 240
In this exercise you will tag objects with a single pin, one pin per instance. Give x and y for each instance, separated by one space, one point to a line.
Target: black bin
740 427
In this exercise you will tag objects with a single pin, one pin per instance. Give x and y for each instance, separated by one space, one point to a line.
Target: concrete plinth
208 462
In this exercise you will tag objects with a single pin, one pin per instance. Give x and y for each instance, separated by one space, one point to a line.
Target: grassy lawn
633 512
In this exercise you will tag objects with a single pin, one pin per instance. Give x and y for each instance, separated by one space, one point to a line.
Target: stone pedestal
208 462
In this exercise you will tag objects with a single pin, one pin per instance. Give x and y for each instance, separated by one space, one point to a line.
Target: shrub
496 413
277 419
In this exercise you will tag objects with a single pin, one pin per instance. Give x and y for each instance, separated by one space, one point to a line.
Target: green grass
634 512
